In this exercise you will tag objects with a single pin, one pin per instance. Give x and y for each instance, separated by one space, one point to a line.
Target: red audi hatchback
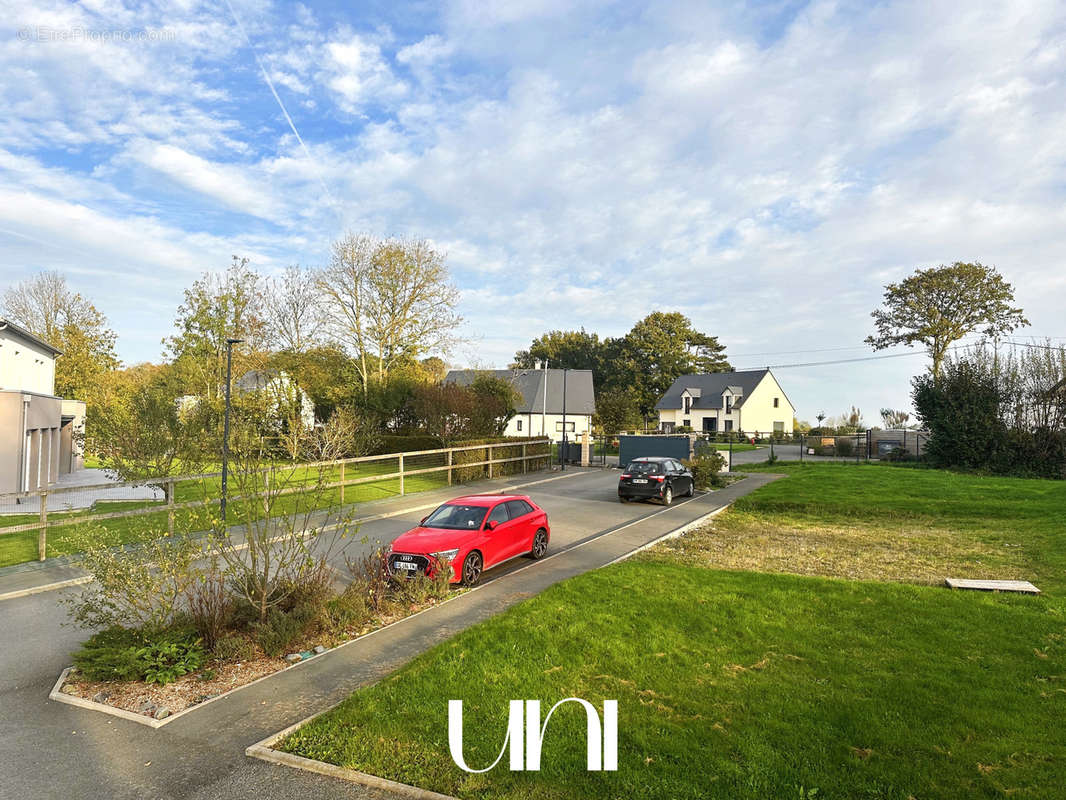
472 534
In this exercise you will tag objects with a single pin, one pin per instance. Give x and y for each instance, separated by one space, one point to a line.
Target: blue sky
764 168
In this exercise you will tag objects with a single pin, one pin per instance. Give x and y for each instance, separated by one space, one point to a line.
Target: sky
765 167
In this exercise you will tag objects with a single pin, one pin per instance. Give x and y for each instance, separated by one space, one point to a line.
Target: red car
472 534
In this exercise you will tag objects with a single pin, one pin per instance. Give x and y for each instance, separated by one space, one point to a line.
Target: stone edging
264 751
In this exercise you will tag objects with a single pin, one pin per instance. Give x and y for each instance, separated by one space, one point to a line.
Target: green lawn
743 684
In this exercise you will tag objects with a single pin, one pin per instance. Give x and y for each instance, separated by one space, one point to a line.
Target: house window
688 404
687 423
779 427
776 401
559 427
728 404
519 424
710 424
729 424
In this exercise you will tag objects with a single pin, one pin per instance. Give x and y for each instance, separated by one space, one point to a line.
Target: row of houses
554 401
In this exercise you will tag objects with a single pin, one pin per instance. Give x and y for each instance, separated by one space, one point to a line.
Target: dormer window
728 403
687 403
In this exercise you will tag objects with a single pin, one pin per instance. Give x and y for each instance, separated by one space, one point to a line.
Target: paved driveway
52 750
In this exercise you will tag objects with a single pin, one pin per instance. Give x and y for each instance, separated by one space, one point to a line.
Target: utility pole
225 426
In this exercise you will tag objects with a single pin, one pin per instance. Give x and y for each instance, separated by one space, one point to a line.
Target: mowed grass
743 684
733 685
882 522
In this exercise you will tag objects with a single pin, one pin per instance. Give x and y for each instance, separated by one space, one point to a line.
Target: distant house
40 434
283 393
751 401
541 400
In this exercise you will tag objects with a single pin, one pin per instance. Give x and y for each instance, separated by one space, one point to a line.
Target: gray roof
711 386
18 330
530 384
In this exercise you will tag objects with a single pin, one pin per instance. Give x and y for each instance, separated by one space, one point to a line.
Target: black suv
655 477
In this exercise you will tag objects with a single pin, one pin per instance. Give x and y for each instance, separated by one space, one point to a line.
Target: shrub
898 454
419 589
349 610
232 648
844 447
283 628
138 586
128 655
407 444
167 657
210 606
706 469
110 655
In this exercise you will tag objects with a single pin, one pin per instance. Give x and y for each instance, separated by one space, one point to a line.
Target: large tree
659 349
47 307
938 306
292 310
391 302
217 307
564 350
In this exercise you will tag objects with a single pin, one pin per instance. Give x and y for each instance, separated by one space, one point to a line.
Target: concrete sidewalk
32 577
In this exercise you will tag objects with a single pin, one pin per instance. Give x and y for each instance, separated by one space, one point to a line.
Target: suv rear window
645 468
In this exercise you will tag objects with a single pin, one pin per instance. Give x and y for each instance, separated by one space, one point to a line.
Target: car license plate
406 565
640 480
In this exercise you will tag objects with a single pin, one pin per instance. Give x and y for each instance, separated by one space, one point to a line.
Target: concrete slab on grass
992 586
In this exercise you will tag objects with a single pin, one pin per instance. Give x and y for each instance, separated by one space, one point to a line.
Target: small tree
290 523
936 307
495 405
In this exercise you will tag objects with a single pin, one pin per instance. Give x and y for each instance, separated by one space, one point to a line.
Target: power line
892 355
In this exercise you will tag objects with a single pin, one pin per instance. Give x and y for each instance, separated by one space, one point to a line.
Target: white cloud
358 73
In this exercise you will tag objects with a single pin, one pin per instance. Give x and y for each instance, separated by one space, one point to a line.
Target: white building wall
550 425
25 366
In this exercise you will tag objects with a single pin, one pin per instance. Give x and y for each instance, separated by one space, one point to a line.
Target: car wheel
691 488
668 496
623 499
540 545
472 568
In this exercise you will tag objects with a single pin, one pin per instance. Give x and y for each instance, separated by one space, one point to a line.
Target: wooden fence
459 464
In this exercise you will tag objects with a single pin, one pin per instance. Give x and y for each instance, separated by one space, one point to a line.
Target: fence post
449 467
42 533
489 453
342 483
401 474
523 459
168 489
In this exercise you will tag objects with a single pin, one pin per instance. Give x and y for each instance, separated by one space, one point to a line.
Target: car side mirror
490 525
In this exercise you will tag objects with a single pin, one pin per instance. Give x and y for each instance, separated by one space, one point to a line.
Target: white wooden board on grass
992 586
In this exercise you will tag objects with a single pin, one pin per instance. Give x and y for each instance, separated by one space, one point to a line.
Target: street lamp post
565 449
225 425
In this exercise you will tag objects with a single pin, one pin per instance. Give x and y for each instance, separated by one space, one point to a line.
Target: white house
40 434
751 401
543 406
283 392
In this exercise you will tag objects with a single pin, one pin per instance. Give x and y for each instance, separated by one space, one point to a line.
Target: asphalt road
51 750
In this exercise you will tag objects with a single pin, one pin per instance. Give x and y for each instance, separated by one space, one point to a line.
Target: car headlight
446 555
